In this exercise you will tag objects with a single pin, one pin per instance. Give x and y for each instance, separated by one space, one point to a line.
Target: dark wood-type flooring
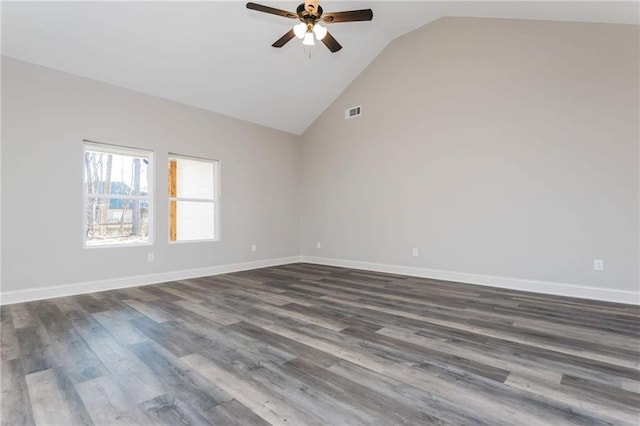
305 344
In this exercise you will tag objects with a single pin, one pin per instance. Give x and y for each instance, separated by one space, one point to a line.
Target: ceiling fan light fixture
300 30
310 14
319 31
308 39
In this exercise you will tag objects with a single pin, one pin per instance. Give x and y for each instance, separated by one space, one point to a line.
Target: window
117 195
193 199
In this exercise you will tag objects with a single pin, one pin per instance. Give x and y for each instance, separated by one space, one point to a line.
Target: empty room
320 213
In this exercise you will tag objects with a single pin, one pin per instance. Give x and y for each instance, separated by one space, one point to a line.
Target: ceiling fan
310 15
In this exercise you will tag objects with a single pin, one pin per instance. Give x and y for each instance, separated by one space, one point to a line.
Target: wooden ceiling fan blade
348 16
271 10
331 43
284 39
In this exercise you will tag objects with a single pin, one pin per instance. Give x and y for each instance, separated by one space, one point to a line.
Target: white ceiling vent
352 112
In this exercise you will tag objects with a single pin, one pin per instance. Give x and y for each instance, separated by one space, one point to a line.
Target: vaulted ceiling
218 55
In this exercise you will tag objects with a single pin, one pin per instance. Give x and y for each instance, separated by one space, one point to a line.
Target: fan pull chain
307 49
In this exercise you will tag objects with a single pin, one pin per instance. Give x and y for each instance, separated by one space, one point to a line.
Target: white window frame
215 201
88 145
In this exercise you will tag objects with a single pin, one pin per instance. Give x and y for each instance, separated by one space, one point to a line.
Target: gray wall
497 147
46 115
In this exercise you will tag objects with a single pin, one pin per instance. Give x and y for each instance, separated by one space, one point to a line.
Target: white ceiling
218 55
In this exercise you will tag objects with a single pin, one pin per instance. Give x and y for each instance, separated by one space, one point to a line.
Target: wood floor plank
499 403
271 407
108 405
120 327
228 343
373 362
435 356
93 304
234 413
139 294
376 407
165 335
35 349
325 402
213 313
16 403
306 344
22 316
516 360
170 410
502 334
131 374
459 385
67 346
9 347
177 289
148 310
543 356
594 405
185 383
432 404
607 392
316 356
54 399
186 316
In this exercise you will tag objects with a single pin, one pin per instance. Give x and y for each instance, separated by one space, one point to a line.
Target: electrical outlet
151 257
318 244
414 252
254 247
598 265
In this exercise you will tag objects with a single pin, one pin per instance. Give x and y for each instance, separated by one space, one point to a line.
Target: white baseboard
545 287
32 294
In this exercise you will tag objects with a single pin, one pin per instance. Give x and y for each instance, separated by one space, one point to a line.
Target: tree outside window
118 200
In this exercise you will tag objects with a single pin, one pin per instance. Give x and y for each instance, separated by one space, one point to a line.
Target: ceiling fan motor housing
309 10
312 6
